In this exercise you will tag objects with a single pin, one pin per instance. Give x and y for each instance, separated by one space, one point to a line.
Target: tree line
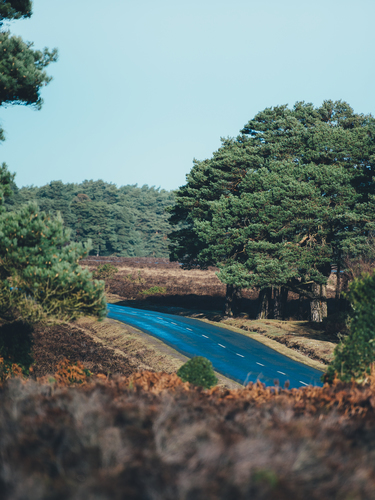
281 204
128 221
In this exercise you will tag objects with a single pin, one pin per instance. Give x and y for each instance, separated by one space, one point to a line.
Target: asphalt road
233 355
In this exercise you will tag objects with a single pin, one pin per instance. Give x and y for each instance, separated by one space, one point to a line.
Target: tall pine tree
304 198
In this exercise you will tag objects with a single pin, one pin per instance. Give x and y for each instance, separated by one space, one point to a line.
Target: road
233 355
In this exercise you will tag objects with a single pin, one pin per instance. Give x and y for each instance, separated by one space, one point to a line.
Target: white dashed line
158 317
222 346
240 355
205 336
303 382
259 363
189 329
173 323
282 373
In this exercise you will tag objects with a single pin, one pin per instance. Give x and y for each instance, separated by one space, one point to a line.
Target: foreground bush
354 357
132 438
198 371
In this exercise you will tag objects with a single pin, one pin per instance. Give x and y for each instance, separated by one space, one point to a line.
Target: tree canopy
304 198
15 9
127 221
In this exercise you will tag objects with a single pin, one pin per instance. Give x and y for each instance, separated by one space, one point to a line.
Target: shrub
9 369
68 373
355 355
198 371
105 271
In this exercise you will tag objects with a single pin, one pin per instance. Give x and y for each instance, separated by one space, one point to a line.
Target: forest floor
157 284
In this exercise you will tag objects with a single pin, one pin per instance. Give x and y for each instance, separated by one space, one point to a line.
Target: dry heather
150 436
103 347
200 294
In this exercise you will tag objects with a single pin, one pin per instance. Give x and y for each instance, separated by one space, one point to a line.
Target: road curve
233 355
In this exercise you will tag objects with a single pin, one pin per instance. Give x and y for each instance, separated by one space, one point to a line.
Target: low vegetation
153 436
198 371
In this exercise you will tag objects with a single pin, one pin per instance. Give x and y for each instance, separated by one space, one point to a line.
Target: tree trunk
280 297
338 288
232 301
264 303
318 305
301 299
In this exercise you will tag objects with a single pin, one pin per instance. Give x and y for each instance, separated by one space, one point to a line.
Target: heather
153 436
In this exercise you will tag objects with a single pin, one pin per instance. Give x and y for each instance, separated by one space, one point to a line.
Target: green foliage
39 270
355 356
198 371
105 271
127 221
283 201
154 290
16 344
15 9
22 72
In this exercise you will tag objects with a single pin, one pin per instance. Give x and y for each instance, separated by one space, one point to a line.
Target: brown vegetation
152 436
200 294
103 347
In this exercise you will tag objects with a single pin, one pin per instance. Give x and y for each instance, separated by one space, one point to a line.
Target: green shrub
354 356
154 290
198 371
105 271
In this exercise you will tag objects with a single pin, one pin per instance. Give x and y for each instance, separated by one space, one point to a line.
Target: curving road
233 355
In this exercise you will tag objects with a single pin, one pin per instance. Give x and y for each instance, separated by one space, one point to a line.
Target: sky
141 88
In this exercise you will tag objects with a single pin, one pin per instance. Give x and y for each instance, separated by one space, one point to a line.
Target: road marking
173 323
205 336
303 382
259 363
158 317
282 373
222 346
189 329
240 355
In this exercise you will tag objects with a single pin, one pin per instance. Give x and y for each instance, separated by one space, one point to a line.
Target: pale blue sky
143 87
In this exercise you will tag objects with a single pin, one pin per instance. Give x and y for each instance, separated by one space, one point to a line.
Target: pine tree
15 9
207 182
355 356
39 270
302 198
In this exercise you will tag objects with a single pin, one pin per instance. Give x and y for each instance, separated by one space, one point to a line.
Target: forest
127 221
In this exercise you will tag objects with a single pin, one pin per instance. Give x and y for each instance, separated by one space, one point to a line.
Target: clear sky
143 87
